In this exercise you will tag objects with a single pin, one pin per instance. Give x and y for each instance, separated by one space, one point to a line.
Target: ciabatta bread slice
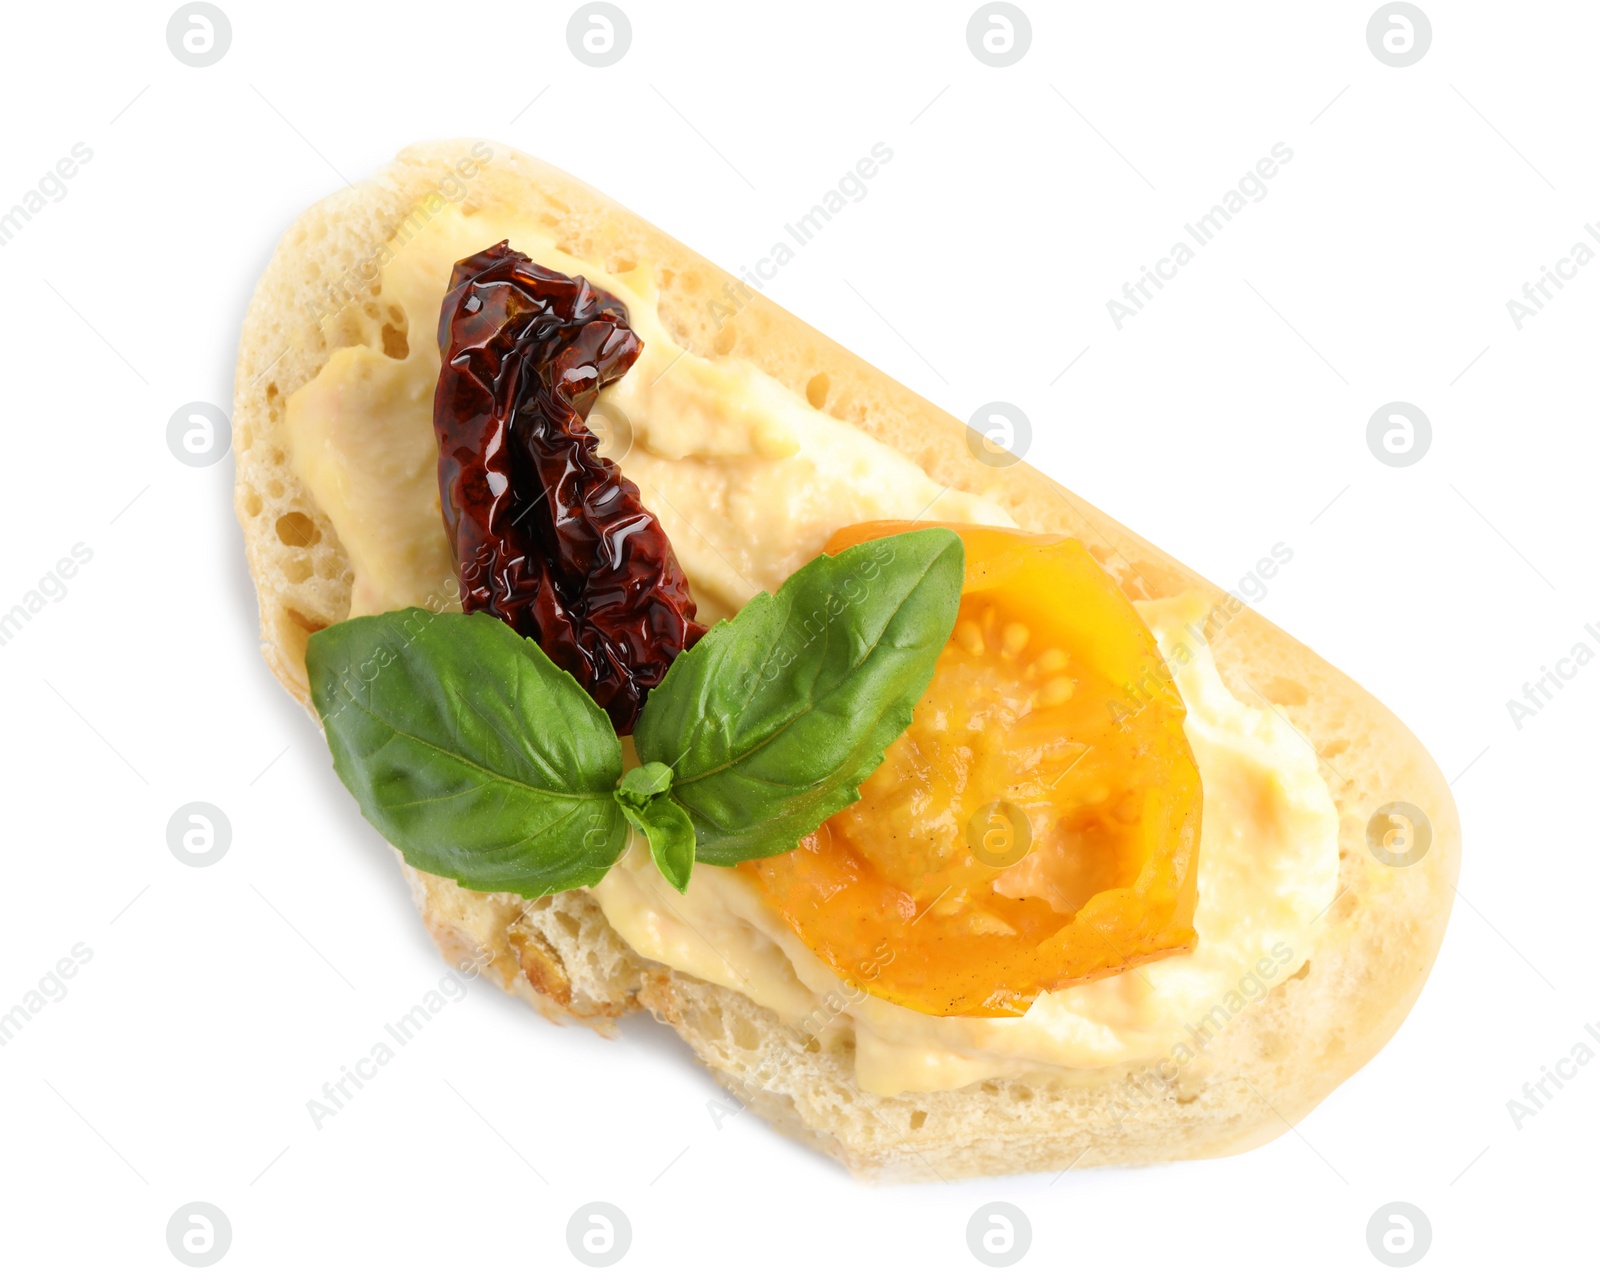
1268 1069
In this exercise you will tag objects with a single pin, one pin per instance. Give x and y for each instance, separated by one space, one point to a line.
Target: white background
1228 416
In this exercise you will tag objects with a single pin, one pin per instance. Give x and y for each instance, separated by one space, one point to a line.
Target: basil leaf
641 784
469 750
772 721
665 825
670 833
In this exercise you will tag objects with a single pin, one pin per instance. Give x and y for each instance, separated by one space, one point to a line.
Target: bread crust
1270 1067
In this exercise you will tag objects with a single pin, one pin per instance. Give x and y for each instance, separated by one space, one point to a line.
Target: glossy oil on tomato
1038 824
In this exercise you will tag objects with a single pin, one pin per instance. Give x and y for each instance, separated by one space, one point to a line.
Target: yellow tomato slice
1037 825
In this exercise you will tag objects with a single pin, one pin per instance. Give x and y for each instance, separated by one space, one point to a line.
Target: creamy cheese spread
749 481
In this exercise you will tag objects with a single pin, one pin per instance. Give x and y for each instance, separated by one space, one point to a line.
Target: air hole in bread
272 392
297 569
251 502
371 310
297 529
1287 692
1336 747
309 625
724 341
274 489
691 283
817 390
918 1119
1303 971
540 964
395 344
745 1035
622 264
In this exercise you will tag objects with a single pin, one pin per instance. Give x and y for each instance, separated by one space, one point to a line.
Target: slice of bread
1265 1071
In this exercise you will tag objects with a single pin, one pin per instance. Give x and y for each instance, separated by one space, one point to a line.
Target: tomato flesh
1036 826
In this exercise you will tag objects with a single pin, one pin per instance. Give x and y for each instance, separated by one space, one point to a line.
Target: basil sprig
483 761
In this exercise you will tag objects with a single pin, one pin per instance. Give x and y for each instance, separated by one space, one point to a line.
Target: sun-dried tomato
549 536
